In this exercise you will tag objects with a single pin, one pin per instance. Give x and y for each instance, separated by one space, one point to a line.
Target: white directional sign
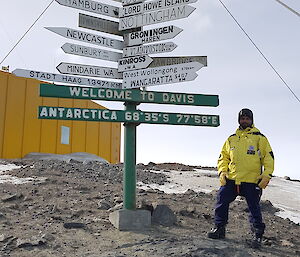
98 24
88 70
172 60
169 14
151 6
149 49
91 52
80 81
87 37
127 2
161 75
92 6
151 35
134 63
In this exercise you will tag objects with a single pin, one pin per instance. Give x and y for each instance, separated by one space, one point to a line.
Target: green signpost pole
129 175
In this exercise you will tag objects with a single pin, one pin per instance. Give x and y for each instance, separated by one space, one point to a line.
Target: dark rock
70 225
13 197
163 215
286 178
267 206
104 205
34 241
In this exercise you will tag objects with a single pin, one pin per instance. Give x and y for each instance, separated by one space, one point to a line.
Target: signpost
128 95
80 81
87 37
161 75
92 6
98 24
136 116
88 70
169 14
139 70
151 35
134 63
149 49
151 6
91 52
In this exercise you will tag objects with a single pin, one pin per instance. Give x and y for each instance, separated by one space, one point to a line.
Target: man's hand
264 181
223 176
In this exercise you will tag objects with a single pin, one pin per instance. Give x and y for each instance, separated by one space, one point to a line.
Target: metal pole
129 174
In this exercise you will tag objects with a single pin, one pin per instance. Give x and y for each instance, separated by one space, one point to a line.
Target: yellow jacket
246 155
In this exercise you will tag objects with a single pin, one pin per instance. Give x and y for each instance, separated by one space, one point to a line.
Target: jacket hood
247 130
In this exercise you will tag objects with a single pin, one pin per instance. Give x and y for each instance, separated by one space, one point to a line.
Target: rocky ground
65 213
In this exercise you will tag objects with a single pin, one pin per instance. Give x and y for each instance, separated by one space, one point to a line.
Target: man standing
245 166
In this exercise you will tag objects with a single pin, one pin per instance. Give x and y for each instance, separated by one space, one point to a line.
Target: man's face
245 122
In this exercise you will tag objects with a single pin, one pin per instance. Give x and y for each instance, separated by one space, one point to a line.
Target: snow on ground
283 194
6 178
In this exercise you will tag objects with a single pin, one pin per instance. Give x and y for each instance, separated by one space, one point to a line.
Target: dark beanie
245 112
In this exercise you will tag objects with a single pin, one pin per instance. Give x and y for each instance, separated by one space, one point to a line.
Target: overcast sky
236 72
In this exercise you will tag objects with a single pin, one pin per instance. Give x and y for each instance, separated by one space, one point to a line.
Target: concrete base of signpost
131 220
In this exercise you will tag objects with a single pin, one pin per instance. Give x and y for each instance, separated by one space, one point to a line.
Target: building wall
21 132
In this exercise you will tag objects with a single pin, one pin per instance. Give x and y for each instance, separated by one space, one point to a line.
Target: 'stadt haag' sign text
66 79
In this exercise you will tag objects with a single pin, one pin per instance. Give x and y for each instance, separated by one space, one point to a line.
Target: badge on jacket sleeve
251 150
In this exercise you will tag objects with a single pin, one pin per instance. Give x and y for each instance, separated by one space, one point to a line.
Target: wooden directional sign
151 6
151 35
149 49
128 95
87 37
169 14
92 6
91 52
80 81
134 63
165 61
161 75
98 24
88 70
64 113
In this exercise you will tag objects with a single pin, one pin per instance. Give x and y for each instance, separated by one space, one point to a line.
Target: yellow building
21 132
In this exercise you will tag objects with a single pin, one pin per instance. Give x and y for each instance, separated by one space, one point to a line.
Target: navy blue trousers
229 192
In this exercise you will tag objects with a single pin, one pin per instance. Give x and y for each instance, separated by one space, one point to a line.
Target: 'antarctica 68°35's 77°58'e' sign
64 113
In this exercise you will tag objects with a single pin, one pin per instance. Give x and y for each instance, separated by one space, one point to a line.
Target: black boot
255 242
218 232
